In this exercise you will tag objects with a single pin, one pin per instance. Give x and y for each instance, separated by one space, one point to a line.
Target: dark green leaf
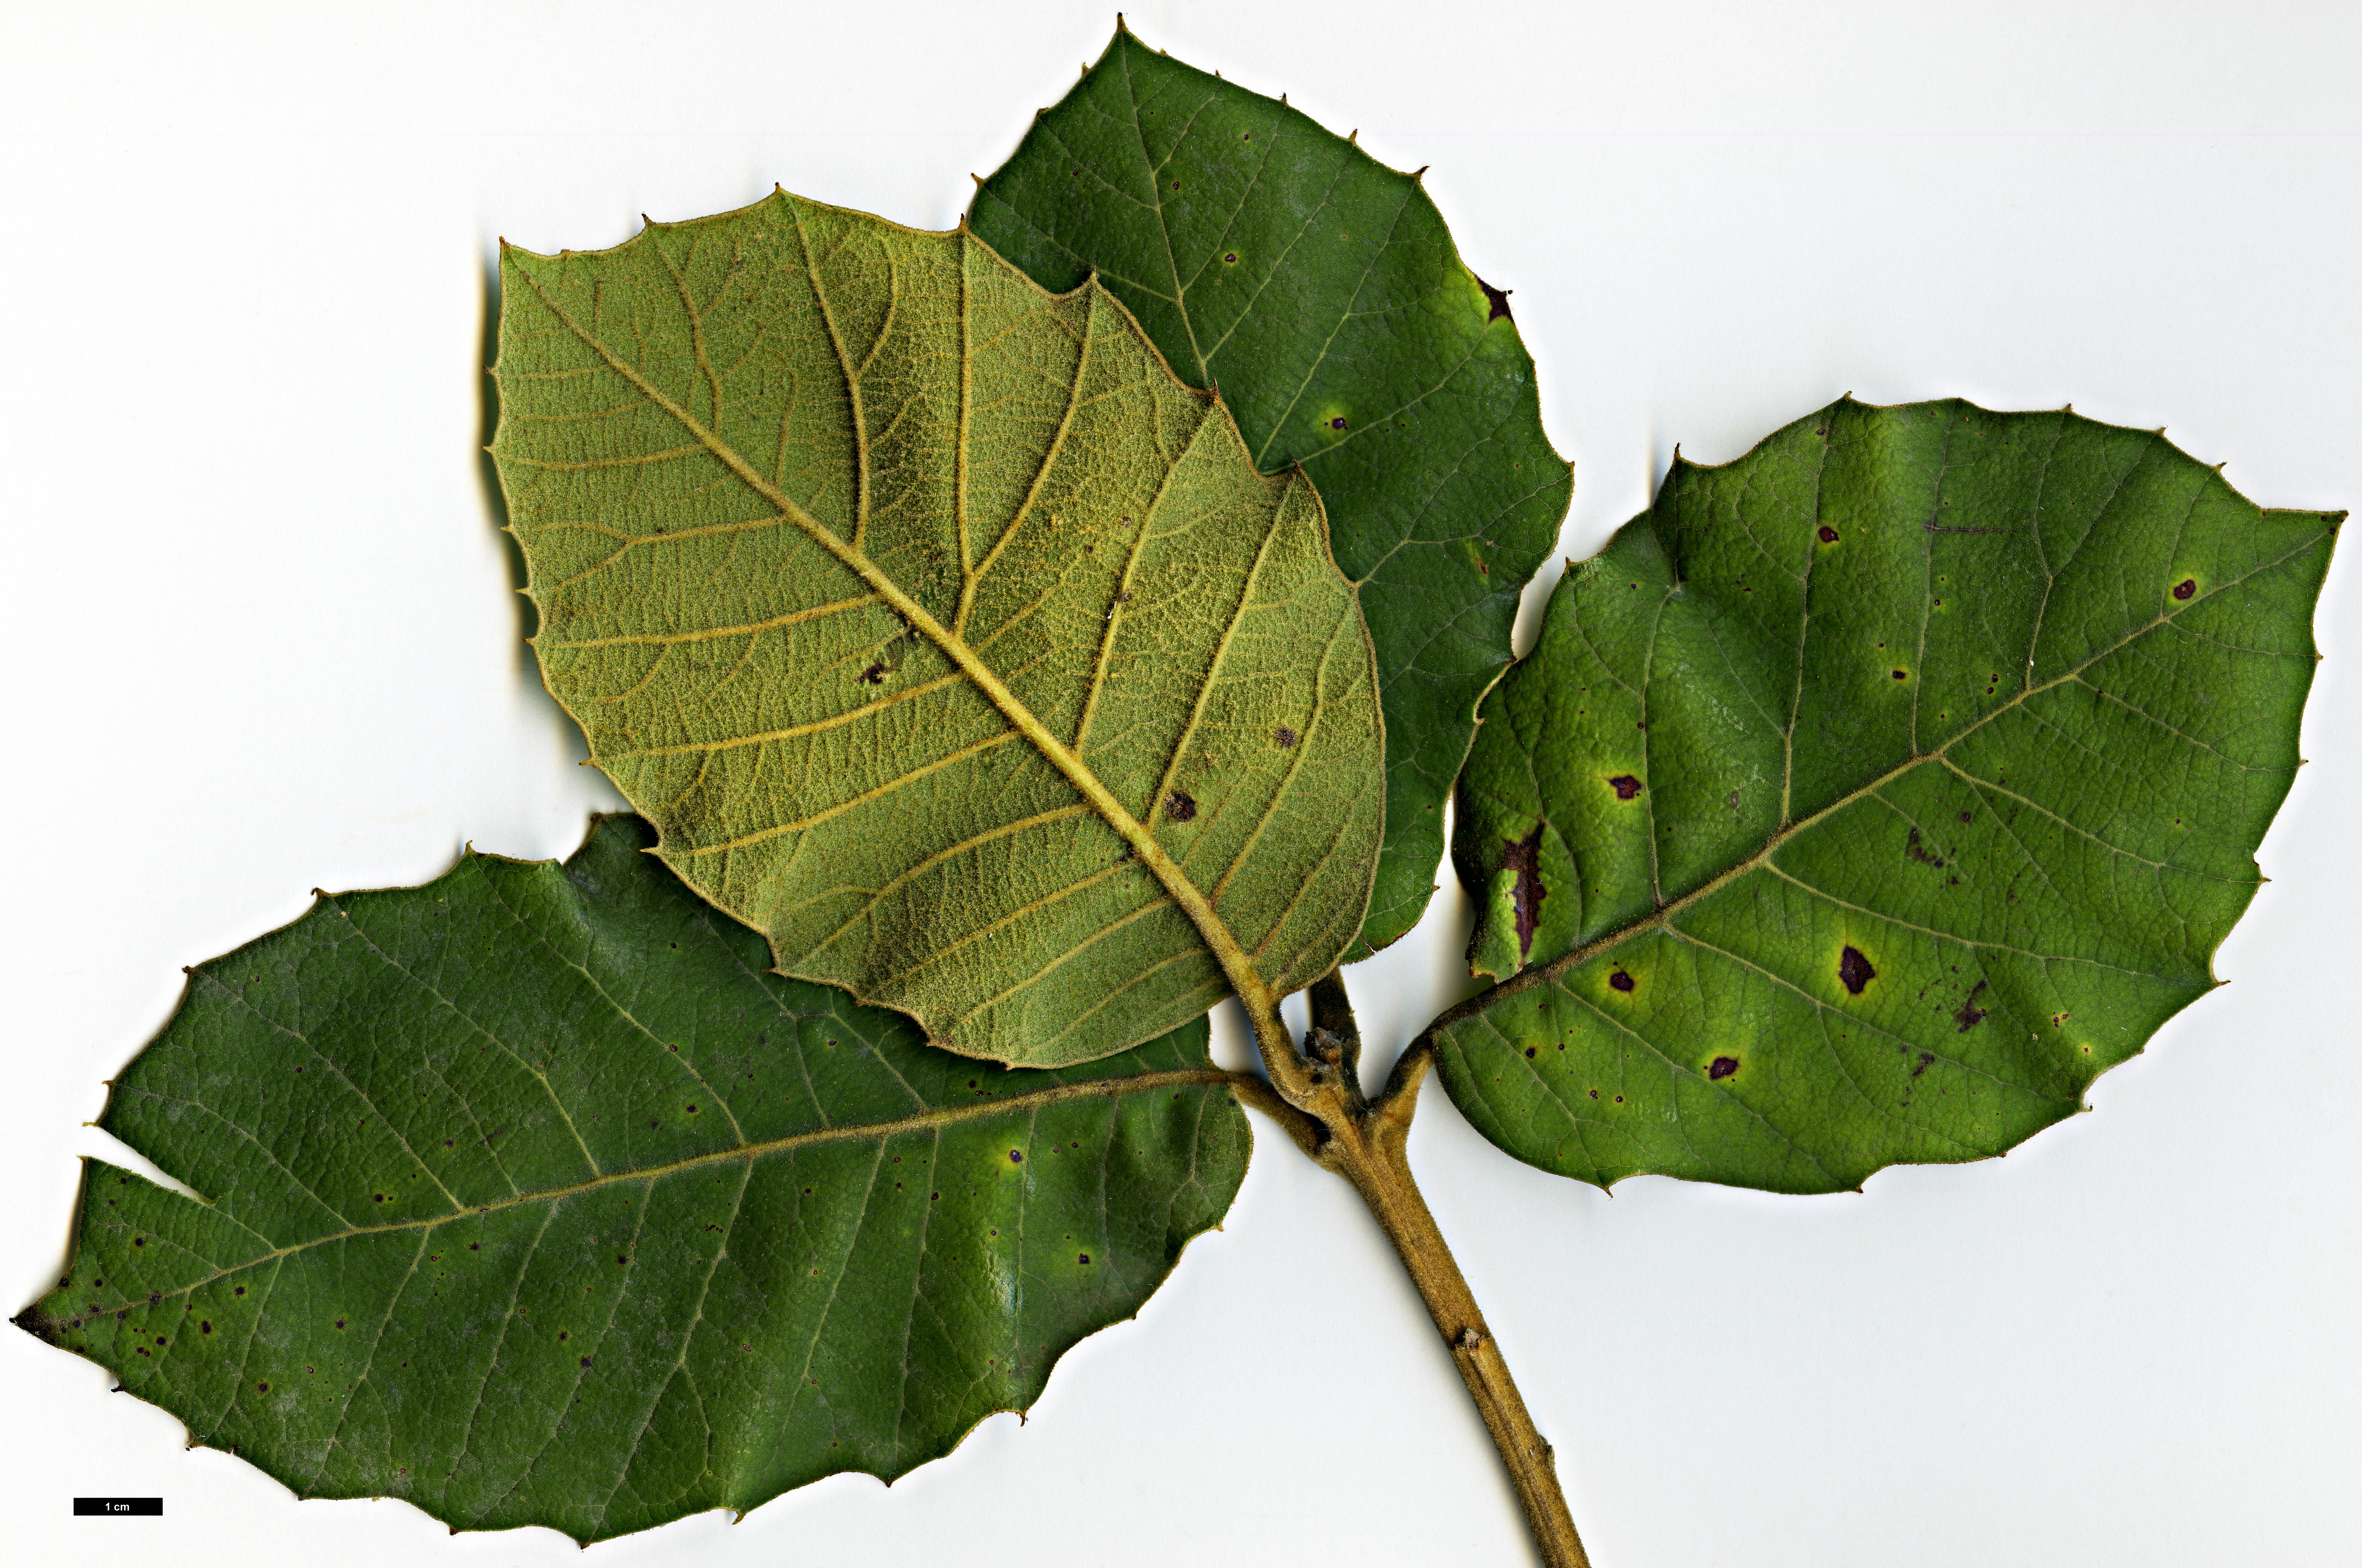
531 1199
1868 796
1320 292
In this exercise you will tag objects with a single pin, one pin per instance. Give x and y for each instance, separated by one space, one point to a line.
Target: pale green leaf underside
533 1200
730 445
1868 796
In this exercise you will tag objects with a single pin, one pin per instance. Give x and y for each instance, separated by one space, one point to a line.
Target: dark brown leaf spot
1180 807
1338 422
1627 787
1283 737
1721 1067
1620 980
1524 857
1497 301
1828 535
875 675
1016 1156
1530 1053
1082 1257
205 1325
1229 258
2187 586
1901 675
1926 1060
1917 849
1855 970
586 1363
1971 1014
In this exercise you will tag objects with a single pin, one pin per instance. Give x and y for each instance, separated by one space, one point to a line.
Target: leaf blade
989 515
363 1310
1904 902
1321 292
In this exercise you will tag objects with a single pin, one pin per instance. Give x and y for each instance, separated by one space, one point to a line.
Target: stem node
1316 1095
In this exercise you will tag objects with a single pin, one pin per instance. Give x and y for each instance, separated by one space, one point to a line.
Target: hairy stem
1316 1095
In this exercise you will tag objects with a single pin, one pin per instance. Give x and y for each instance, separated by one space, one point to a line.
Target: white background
262 639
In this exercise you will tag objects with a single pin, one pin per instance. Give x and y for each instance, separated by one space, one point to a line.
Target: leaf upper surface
945 637
1321 292
533 1200
1870 795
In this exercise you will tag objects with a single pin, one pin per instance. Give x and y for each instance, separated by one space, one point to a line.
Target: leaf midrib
1237 966
938 1117
1660 917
